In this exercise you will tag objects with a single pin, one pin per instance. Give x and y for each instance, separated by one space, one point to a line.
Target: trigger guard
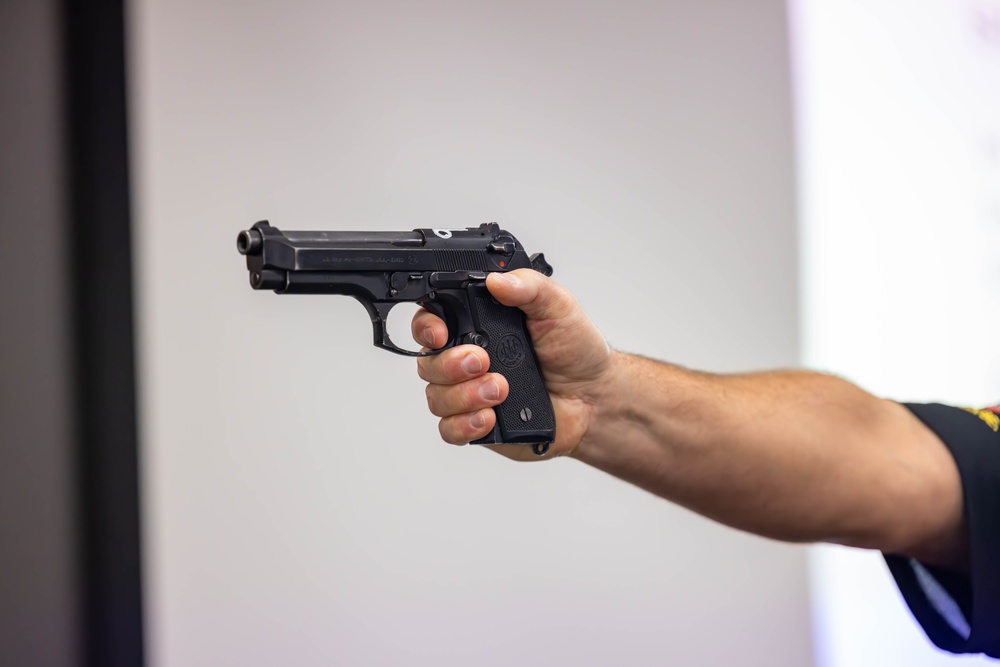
379 312
387 344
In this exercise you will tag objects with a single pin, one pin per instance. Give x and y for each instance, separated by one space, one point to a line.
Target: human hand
572 353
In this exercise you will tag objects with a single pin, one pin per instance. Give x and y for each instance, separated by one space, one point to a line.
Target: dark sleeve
960 611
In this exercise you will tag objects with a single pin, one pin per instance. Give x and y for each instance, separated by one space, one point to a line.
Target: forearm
792 455
795 456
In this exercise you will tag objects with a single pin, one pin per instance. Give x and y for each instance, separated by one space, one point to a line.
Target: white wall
899 117
299 508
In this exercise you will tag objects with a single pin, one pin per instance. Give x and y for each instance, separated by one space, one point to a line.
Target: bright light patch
898 113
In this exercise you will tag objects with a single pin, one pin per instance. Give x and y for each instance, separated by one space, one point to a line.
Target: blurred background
194 473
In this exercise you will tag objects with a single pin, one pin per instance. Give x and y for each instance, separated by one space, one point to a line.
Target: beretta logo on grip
510 351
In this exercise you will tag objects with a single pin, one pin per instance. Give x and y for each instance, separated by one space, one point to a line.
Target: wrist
644 408
606 405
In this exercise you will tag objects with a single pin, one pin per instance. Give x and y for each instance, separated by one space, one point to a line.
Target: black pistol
443 270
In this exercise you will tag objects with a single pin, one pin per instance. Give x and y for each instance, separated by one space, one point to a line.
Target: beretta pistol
443 270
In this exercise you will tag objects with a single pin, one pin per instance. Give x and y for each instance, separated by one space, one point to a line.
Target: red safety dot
502 263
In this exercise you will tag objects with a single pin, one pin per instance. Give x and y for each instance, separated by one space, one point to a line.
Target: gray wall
39 557
299 508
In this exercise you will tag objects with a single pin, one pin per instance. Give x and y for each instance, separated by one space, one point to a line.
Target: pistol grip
526 415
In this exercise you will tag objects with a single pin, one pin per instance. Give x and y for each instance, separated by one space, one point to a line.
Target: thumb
540 298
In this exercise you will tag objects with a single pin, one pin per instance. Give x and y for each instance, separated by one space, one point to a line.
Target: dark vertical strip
107 454
39 592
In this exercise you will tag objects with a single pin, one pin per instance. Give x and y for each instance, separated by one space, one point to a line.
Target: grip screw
525 414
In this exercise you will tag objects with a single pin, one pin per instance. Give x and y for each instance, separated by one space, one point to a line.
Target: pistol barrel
249 242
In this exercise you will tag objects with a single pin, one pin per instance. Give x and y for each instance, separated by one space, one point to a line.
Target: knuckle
436 402
435 368
453 369
451 400
446 427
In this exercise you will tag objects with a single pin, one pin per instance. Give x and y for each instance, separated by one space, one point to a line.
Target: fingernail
471 364
489 390
477 420
510 279
428 336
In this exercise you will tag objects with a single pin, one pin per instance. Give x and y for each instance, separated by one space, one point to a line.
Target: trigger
434 308
380 315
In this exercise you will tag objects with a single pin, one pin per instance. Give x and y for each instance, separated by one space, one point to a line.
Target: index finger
429 329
